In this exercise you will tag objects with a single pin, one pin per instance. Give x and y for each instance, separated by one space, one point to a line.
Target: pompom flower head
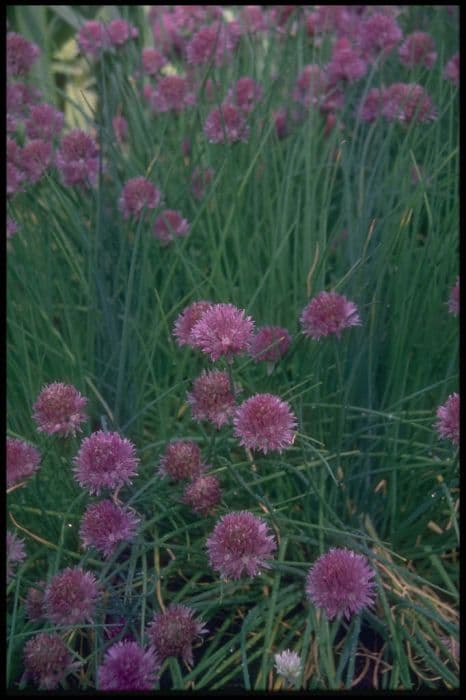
226 124
328 313
223 331
212 398
203 494
266 423
186 321
92 38
138 194
454 300
59 408
44 122
418 49
47 661
288 665
181 460
240 545
14 553
21 54
22 461
105 461
70 597
270 344
448 424
173 632
78 158
105 525
127 666
170 225
340 583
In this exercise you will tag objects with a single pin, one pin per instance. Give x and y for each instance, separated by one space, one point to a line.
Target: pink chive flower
47 661
405 102
78 158
104 525
120 128
181 460
226 124
212 398
187 320
120 32
14 553
71 596
371 107
22 461
418 49
21 54
379 34
454 300
223 331
270 344
35 609
346 63
173 632
200 181
93 38
36 158
20 98
203 494
340 583
245 94
451 71
328 313
170 225
214 42
45 122
105 461
311 84
173 92
266 423
253 18
448 423
240 546
152 61
59 408
138 194
288 665
12 227
127 666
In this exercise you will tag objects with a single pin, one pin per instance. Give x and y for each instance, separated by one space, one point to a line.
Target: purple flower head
212 398
240 546
346 63
14 553
93 38
170 225
418 49
340 582
138 194
70 597
21 54
200 180
20 98
226 124
59 408
44 122
245 94
311 85
379 34
270 343
265 423
78 158
105 525
22 461
35 607
328 313
47 661
288 665
173 632
203 494
127 666
120 31
36 158
253 18
173 92
105 461
212 43
181 460
223 331
152 61
448 424
454 300
187 320
371 107
405 102
451 71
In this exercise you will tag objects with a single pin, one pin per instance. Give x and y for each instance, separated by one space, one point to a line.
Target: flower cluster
47 661
212 398
222 331
266 423
448 423
22 461
59 409
328 313
105 525
288 665
138 194
77 158
127 666
170 225
181 460
71 596
172 633
105 461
